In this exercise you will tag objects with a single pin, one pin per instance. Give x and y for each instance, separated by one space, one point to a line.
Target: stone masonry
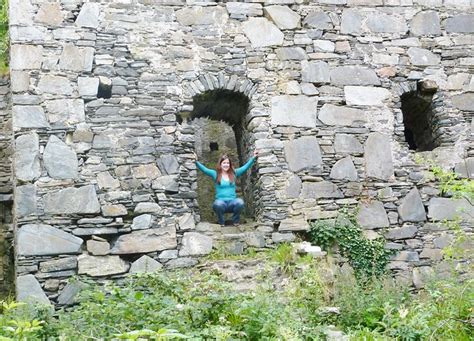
104 176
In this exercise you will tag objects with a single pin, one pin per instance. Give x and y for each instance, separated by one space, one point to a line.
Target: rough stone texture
462 23
65 111
27 165
72 200
262 32
293 189
450 209
145 264
422 57
25 202
297 111
425 23
303 153
372 215
315 72
61 264
364 95
464 101
411 207
29 117
89 15
323 189
345 143
26 57
101 266
466 168
353 75
338 115
142 222
29 290
378 156
283 17
201 16
402 232
37 240
68 295
144 241
344 169
195 244
59 159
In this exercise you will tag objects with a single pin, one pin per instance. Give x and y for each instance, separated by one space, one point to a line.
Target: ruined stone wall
105 173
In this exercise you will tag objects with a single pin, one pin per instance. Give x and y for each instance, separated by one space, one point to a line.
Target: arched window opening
218 117
421 132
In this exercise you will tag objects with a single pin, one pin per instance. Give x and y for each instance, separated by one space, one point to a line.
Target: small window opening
213 146
105 88
419 119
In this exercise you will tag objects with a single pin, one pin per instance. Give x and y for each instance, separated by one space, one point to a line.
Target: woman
224 179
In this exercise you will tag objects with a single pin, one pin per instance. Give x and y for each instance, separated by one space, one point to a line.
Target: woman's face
225 165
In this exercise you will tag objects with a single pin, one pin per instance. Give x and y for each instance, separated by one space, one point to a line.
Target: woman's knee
239 203
218 206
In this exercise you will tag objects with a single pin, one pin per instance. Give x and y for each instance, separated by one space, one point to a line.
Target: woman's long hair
231 171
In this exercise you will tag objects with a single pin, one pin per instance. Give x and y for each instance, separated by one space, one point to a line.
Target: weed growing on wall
3 36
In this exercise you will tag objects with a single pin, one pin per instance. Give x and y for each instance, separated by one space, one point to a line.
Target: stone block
29 290
195 244
462 23
365 95
322 189
293 188
168 164
240 9
144 241
423 57
50 14
99 266
89 15
318 20
303 153
40 240
20 81
26 57
68 295
347 144
106 180
147 207
29 116
145 264
98 247
88 86
378 22
142 222
291 53
450 209
353 75
293 224
404 232
411 207
186 222
182 262
27 164
61 264
422 275
425 23
344 169
372 215
378 156
341 115
25 200
67 112
114 210
72 200
464 101
351 21
261 32
56 85
76 59
315 72
283 17
199 15
465 168
60 160
296 111
149 171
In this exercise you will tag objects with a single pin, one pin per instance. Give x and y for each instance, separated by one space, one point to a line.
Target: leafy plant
3 36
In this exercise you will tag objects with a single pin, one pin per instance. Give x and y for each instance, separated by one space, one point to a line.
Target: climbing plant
367 257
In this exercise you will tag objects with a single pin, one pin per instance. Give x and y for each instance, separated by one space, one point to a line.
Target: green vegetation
3 36
202 306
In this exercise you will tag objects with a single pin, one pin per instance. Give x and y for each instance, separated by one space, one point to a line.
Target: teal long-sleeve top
226 189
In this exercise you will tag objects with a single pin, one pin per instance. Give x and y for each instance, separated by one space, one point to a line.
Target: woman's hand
255 153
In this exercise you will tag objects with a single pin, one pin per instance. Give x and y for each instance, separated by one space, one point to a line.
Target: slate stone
184 262
347 144
98 247
315 72
202 16
365 95
68 296
303 153
66 111
262 33
29 290
147 207
142 222
293 224
318 20
50 14
239 9
40 240
168 164
72 200
450 209
283 17
27 164
293 188
106 180
422 57
353 75
378 156
61 264
351 21
97 266
422 275
19 81
425 23
167 183
322 189
25 200
464 101
344 169
255 239
88 86
340 115
22 13
76 59
60 160
195 244
186 222
55 85
144 241
462 23
411 207
114 210
89 15
278 237
29 116
145 264
151 171
290 53
372 215
465 168
382 23
443 241
405 232
25 57
296 111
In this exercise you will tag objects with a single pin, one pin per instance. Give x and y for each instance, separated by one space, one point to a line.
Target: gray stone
55 85
50 14
347 144
88 86
283 17
186 222
383 23
74 58
65 111
61 264
293 188
168 164
262 32
297 111
22 13
462 23
425 23
199 15
422 57
365 95
147 207
168 254
322 189
464 101
351 21
39 240
89 15
114 210
29 290
344 169
151 171
315 72
20 81
101 266
105 180
144 241
303 153
401 232
353 75
195 244
407 256
465 168
27 164
239 9
181 263
72 200
145 264
98 247
142 222
318 20
443 241
167 183
31 116
291 53
293 224
378 156
372 215
411 207
450 209
25 200
422 275
278 237
68 295
60 160
338 115
255 239
25 57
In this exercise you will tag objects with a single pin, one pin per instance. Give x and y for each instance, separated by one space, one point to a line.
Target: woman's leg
219 207
236 206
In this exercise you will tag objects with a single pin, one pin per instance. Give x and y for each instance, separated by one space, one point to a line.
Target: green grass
3 37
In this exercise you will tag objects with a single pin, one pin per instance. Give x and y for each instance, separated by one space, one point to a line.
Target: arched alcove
218 117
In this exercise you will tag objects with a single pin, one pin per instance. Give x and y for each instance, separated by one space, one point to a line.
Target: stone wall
104 172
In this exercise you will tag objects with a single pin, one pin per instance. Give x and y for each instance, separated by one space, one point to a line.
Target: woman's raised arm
241 170
209 172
